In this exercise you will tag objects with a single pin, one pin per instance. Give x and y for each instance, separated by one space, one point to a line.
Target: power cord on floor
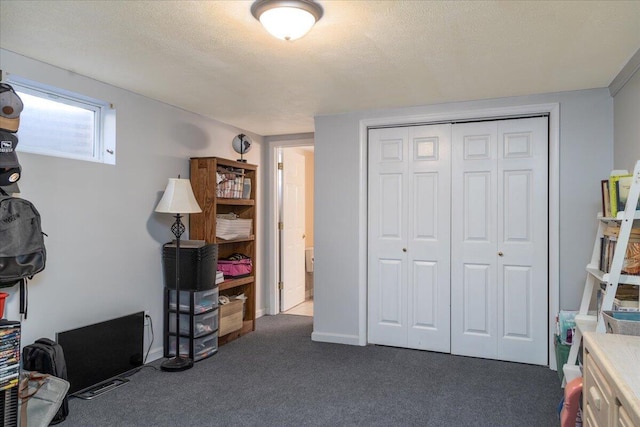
152 338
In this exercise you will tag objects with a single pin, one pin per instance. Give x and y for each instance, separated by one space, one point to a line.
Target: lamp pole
177 363
177 199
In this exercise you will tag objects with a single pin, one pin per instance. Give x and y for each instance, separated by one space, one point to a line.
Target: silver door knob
500 253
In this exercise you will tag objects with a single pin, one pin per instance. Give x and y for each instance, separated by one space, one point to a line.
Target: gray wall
586 150
104 240
626 108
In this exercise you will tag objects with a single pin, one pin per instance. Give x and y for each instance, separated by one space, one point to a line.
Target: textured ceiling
215 59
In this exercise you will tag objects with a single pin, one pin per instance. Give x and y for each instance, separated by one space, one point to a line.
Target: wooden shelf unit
203 227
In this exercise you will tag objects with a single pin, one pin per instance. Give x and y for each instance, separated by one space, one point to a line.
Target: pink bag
235 268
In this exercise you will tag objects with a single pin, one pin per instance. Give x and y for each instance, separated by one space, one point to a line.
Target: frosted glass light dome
287 23
287 19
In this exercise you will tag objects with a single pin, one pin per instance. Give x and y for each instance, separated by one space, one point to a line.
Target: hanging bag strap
24 297
25 393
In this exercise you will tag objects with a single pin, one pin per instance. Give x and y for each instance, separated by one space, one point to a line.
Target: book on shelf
614 177
625 303
606 198
623 185
614 230
631 262
627 292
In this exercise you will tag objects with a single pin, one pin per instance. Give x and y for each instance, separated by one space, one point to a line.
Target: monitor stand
101 388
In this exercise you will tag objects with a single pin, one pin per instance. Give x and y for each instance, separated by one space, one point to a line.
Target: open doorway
295 229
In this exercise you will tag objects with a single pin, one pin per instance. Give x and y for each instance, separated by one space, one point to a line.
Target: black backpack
22 251
46 356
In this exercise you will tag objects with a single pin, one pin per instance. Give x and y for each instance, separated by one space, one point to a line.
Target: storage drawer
201 347
203 324
597 392
231 316
622 418
202 300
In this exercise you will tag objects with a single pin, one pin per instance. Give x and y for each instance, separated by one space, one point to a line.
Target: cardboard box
231 316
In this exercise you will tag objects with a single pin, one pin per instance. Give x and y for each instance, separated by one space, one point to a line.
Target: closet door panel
516 202
517 321
477 210
389 298
523 240
428 246
391 215
424 305
478 310
425 212
387 262
409 198
473 239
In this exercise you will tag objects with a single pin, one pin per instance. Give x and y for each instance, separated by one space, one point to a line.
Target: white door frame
553 110
273 143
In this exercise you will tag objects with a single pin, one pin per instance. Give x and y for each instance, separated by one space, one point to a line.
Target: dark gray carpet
276 376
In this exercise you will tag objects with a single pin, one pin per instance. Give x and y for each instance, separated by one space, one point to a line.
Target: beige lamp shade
178 198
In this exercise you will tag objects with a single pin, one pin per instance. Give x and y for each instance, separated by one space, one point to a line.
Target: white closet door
523 285
428 246
473 240
387 262
499 282
409 202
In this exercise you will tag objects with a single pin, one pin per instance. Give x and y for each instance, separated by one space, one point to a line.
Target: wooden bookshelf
203 227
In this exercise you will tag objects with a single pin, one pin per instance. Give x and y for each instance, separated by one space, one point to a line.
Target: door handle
500 253
404 249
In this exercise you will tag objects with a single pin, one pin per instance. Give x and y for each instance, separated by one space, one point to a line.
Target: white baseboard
261 312
335 338
155 354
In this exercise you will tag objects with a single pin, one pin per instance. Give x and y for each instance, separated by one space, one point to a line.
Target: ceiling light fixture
287 19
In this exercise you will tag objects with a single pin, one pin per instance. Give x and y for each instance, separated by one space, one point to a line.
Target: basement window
60 123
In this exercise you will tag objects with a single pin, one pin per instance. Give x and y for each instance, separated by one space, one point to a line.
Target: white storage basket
230 227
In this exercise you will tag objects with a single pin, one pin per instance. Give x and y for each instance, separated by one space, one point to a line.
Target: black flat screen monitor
102 351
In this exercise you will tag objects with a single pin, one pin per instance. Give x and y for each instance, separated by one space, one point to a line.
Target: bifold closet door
499 234
409 246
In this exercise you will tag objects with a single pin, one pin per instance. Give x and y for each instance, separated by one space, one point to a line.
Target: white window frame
104 141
